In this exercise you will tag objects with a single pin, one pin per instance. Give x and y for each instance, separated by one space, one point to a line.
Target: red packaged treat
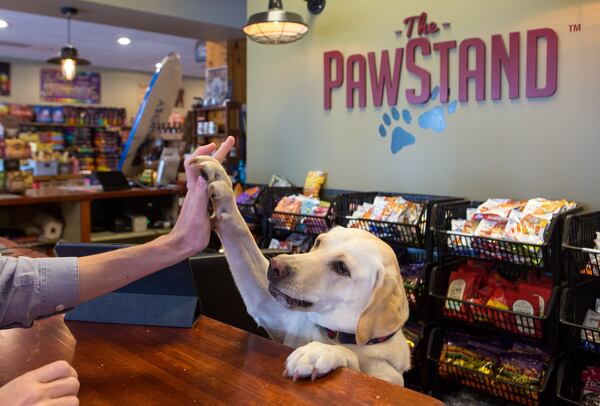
461 286
541 290
491 281
499 301
525 304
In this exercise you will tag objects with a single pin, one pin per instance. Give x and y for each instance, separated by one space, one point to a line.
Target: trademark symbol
574 27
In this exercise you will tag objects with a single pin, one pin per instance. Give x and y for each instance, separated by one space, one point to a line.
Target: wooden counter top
55 195
210 364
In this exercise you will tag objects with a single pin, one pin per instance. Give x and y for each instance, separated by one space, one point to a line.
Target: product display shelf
447 375
516 260
467 313
546 256
60 125
581 343
417 235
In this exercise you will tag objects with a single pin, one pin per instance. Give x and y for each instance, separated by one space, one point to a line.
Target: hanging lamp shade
68 58
275 26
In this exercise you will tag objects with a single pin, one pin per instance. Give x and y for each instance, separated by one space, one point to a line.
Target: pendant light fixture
277 26
68 58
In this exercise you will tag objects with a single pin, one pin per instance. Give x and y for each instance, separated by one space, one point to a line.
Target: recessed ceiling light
3 23
124 41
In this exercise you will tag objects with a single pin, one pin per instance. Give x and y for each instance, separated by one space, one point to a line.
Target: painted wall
519 148
119 88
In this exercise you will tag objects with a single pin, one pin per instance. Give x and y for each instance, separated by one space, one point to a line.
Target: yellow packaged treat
312 184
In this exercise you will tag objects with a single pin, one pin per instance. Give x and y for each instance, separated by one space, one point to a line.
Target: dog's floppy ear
387 309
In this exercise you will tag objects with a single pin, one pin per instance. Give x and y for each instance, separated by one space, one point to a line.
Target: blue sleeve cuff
59 284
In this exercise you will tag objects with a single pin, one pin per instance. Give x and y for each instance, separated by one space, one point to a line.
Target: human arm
30 288
102 273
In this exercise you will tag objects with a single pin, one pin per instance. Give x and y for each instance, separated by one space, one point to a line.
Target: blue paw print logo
431 119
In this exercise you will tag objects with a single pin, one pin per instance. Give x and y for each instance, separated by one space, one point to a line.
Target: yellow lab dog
340 305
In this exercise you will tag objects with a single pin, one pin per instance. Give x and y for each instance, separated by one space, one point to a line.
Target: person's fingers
224 149
202 150
64 401
62 387
53 371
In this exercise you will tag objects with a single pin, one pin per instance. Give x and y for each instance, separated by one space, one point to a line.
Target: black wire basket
578 242
574 304
504 389
527 325
543 256
277 221
568 378
415 235
250 210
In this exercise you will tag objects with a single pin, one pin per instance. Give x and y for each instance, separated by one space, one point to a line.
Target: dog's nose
277 270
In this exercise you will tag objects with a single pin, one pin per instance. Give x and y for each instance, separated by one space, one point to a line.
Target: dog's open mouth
288 300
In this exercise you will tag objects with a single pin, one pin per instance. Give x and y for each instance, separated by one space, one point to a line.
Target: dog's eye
341 268
317 242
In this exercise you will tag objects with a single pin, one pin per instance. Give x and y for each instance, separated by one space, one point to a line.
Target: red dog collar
347 338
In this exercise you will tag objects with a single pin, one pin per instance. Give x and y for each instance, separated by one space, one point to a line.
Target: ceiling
37 37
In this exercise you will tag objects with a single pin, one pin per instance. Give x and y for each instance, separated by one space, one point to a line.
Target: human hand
191 233
55 384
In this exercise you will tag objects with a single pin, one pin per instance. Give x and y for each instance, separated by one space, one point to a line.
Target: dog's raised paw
211 169
316 359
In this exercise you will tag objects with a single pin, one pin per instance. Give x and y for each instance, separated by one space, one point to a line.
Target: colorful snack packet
490 228
496 209
313 183
527 228
540 206
591 321
590 386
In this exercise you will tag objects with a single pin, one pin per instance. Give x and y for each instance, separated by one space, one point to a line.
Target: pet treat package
313 183
278 181
591 321
590 386
512 362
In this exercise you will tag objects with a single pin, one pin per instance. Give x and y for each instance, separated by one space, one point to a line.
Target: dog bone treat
590 388
313 183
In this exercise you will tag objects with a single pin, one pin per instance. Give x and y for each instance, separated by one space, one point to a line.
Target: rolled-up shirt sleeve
35 287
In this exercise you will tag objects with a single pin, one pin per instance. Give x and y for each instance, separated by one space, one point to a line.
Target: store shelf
212 135
210 108
57 177
105 236
60 125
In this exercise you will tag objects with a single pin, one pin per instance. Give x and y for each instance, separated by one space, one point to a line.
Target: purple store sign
85 88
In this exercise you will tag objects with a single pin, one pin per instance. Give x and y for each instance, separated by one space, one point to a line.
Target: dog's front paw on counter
316 359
